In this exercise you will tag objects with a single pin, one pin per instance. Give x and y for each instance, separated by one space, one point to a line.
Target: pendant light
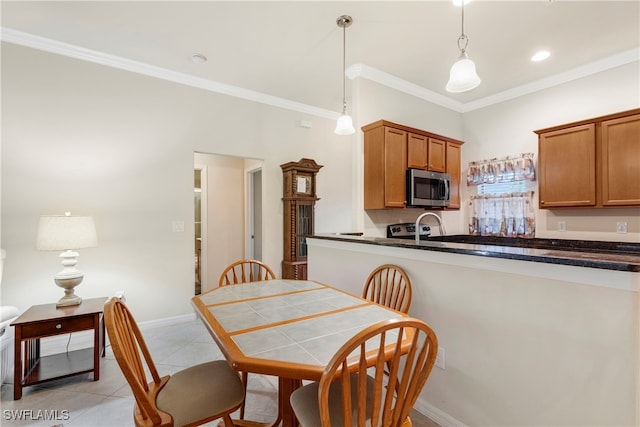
463 76
344 126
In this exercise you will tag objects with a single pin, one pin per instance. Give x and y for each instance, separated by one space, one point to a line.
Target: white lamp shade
58 233
463 76
344 126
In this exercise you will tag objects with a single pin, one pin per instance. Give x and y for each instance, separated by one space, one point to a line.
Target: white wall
507 129
376 102
526 344
119 146
225 214
501 130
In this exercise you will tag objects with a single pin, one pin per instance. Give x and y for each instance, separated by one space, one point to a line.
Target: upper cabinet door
620 151
567 167
437 155
417 151
395 166
454 170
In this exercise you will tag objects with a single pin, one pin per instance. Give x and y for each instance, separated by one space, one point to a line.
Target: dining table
286 328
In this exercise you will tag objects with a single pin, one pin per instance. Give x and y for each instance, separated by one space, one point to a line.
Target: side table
47 320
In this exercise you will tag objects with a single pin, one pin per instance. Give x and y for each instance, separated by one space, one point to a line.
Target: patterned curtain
505 215
507 169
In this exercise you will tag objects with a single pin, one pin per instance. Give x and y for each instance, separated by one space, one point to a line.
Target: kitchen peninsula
545 335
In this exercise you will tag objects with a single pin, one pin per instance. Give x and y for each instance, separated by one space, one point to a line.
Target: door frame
252 212
203 225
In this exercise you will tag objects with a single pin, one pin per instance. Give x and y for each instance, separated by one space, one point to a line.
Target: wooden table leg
286 386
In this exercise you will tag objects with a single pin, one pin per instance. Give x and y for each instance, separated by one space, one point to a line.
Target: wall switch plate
621 227
440 358
562 226
177 226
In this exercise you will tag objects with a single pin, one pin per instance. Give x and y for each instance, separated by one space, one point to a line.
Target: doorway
228 217
254 217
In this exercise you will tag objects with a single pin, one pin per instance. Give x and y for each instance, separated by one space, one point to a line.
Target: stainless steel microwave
427 189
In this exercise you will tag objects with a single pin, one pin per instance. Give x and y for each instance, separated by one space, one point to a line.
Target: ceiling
293 50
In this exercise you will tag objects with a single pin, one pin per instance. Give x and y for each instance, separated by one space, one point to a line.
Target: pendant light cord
463 37
344 65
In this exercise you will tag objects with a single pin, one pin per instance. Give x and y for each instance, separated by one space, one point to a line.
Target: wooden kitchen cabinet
567 167
417 149
591 163
453 168
426 153
621 161
390 148
385 164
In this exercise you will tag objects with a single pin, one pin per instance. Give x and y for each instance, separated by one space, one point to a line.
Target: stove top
407 230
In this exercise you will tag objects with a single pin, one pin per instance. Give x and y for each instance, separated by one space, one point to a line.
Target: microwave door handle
446 189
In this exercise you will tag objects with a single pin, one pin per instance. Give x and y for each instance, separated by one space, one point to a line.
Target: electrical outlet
562 226
621 227
440 358
177 226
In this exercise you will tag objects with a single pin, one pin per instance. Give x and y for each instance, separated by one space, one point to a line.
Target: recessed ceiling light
198 58
540 56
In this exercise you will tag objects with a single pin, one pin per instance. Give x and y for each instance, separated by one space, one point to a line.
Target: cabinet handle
58 326
542 202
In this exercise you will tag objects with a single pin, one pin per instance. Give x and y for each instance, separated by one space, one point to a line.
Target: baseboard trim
167 321
436 415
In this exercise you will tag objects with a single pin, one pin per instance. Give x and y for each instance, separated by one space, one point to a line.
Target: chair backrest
128 346
245 270
390 286
407 346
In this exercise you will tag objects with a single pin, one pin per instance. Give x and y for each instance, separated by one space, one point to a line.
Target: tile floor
109 402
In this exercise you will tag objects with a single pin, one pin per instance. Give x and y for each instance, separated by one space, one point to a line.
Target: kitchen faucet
440 225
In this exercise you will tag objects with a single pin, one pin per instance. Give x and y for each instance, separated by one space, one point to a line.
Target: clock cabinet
299 199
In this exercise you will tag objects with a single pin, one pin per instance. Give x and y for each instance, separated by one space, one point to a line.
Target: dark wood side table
45 321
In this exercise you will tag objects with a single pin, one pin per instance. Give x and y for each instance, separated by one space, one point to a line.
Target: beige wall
225 214
526 344
507 129
119 146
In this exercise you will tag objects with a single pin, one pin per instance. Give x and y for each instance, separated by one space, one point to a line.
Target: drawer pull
58 326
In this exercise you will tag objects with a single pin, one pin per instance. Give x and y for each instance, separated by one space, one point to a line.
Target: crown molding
354 71
364 71
65 49
389 80
599 66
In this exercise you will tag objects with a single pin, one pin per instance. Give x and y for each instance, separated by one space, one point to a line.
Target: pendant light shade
463 75
344 126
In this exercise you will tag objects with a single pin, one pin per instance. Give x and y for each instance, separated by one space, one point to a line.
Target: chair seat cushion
304 402
200 392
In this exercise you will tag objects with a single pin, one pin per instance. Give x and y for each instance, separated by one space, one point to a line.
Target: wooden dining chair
245 270
347 394
390 286
190 397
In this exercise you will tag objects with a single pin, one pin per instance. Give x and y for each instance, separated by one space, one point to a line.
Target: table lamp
66 233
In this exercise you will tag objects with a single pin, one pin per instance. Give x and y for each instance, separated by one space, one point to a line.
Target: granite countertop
595 254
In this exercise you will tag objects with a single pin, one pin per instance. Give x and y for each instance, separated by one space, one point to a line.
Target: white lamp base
69 298
68 279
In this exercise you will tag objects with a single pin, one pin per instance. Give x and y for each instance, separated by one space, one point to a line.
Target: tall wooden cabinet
390 149
592 163
299 199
